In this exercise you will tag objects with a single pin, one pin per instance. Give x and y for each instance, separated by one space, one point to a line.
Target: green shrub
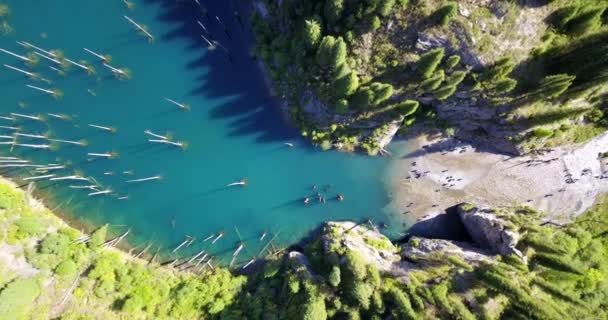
542 132
375 23
66 268
334 276
17 299
360 294
98 237
29 226
355 266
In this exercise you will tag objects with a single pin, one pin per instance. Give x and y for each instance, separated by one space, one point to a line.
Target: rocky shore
434 174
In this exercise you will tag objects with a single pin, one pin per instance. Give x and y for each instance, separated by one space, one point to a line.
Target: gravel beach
440 173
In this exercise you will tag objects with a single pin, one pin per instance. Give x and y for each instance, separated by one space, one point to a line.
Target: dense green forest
370 65
55 275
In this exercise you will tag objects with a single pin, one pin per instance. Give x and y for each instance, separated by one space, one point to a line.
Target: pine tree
433 82
333 10
312 33
407 107
554 86
347 85
428 62
446 13
585 22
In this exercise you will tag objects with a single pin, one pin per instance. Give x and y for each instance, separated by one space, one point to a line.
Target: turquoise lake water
234 130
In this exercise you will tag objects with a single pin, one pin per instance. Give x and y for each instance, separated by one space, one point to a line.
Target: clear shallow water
233 131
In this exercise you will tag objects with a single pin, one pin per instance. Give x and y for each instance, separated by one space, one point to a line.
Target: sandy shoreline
447 172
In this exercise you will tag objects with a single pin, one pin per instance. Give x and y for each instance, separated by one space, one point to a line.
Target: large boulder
424 250
488 231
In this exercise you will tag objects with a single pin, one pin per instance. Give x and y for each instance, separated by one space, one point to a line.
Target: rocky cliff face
488 231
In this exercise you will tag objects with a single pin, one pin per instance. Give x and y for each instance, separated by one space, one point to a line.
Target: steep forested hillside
517 75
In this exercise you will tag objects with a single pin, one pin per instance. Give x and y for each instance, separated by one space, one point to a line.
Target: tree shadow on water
228 70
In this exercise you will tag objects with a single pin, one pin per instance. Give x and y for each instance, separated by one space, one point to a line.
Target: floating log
289 144
92 186
268 244
103 58
114 242
10 128
34 146
30 74
263 236
14 161
100 192
196 256
16 55
101 155
219 236
212 44
116 70
82 66
190 242
9 158
37 118
248 263
48 58
142 29
7 118
238 183
180 105
181 244
144 179
7 137
123 198
238 250
50 168
148 132
21 165
60 72
121 237
208 238
208 263
73 177
29 45
79 143
36 136
55 93
177 144
200 260
58 116
143 251
109 129
39 177
202 26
